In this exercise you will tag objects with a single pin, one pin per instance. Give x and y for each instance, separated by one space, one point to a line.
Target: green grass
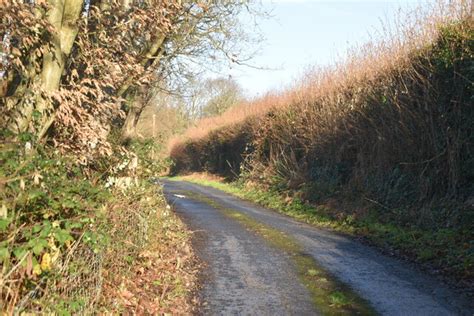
448 249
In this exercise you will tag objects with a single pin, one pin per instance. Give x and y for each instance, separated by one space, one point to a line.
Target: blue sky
303 33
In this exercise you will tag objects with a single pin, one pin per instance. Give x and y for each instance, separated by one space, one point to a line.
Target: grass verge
446 251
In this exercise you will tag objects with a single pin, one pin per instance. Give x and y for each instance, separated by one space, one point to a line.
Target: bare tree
223 93
205 36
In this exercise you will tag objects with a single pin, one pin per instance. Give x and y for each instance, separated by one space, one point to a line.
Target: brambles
68 243
50 214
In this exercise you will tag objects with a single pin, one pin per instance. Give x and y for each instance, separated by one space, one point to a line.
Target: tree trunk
129 129
137 104
63 15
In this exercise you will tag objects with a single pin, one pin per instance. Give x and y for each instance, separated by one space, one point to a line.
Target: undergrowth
74 241
148 266
49 213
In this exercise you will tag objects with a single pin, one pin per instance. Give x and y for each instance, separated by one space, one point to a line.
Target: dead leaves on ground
162 278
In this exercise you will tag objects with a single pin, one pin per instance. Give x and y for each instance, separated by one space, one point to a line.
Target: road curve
244 275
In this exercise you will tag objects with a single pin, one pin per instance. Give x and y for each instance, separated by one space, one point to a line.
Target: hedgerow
386 136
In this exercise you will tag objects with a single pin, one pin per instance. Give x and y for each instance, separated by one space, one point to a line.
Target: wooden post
154 135
154 125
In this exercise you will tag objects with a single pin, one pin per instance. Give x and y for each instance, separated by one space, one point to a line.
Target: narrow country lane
246 274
